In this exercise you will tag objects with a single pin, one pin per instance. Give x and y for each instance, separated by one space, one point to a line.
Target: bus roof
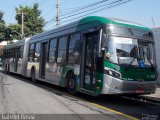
107 20
86 23
82 24
15 44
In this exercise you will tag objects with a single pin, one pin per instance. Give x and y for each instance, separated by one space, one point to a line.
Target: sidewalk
155 96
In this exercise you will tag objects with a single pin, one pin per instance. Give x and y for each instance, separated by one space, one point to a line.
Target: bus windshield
129 51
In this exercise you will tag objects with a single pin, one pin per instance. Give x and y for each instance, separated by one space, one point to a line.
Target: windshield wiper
129 65
132 62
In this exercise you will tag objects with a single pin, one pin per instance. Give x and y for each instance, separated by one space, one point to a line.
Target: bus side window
74 49
18 54
52 50
37 52
61 58
31 53
13 54
21 52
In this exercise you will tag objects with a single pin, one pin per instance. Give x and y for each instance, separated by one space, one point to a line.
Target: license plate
139 91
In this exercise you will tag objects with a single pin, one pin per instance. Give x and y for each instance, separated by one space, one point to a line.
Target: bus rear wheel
71 84
33 75
7 69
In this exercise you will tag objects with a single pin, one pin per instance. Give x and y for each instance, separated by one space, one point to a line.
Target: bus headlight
112 73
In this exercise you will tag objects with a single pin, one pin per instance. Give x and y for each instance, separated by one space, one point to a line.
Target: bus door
43 59
90 46
19 60
16 59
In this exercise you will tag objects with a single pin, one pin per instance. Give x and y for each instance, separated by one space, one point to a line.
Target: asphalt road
19 97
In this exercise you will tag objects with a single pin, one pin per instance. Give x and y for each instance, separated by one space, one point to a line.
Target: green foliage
13 31
1 17
2 27
33 22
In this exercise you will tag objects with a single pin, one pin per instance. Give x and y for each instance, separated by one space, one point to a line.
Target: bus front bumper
113 85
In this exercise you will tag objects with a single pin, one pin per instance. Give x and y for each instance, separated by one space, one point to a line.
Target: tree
13 31
2 27
33 22
1 17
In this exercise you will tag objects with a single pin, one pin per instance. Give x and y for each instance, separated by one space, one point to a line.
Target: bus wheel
6 69
71 84
33 75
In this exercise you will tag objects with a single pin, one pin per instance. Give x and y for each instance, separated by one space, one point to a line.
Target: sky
138 11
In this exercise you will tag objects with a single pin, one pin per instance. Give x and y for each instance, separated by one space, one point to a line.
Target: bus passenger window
21 52
14 54
52 50
62 50
37 52
74 48
31 53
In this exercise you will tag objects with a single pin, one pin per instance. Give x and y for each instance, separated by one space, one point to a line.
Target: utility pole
58 13
22 25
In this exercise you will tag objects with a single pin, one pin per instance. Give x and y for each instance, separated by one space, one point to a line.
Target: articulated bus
94 55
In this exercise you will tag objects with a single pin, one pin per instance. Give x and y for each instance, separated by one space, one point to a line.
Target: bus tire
33 75
6 69
71 84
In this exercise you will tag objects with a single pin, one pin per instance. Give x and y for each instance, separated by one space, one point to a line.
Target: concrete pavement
156 95
20 97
